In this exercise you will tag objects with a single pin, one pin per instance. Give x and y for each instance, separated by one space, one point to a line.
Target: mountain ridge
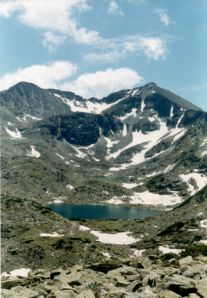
137 142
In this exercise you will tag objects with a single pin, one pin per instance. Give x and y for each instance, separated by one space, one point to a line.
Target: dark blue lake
100 212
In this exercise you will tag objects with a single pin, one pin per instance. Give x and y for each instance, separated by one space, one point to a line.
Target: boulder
202 287
19 292
185 261
168 294
12 281
193 296
86 294
134 286
146 292
151 279
196 271
179 284
64 294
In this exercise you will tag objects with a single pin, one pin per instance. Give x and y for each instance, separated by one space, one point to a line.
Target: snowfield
122 238
149 198
14 134
198 178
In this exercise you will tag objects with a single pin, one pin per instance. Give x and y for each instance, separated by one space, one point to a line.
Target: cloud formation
45 75
58 75
154 48
163 16
101 83
51 16
114 8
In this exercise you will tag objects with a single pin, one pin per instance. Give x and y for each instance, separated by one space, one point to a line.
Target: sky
95 47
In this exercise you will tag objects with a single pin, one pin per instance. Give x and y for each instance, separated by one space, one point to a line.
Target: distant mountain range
143 145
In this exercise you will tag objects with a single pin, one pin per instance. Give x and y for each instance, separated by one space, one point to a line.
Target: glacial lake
100 212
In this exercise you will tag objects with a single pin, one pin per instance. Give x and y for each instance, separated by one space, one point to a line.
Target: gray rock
12 281
168 294
65 294
202 287
185 261
19 292
151 279
193 296
181 285
199 269
134 286
146 292
86 294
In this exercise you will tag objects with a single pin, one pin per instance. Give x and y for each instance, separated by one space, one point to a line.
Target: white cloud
154 48
101 83
51 15
52 41
164 17
114 8
104 57
45 76
58 75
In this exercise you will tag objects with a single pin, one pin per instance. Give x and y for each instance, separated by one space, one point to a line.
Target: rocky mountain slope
143 146
140 146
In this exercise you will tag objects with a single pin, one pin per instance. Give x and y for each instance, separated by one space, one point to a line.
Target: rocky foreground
143 277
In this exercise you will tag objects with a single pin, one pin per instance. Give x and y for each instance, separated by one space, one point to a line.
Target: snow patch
142 105
59 155
69 186
135 92
79 153
22 272
200 214
124 133
88 106
83 228
122 238
138 252
133 113
34 152
166 249
106 254
58 201
200 179
203 224
115 200
149 198
31 117
52 235
129 185
14 134
172 111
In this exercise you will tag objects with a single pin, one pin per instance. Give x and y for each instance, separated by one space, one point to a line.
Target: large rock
186 261
151 279
19 292
168 294
202 287
86 294
196 271
12 281
64 294
179 284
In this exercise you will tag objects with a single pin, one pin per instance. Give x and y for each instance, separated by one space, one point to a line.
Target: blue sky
94 47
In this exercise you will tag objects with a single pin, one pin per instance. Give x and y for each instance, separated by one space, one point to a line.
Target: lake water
100 212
